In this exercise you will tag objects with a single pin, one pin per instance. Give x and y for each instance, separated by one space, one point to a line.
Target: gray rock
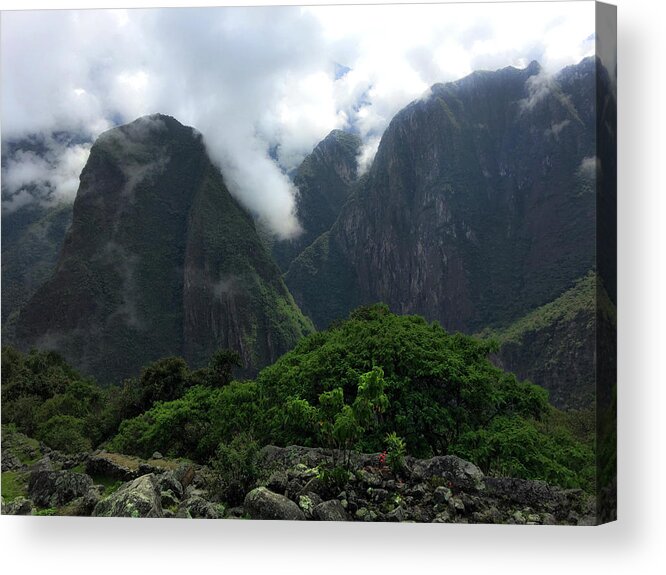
137 498
57 488
169 499
157 455
277 482
185 474
307 502
198 508
19 506
84 506
442 494
397 515
459 472
261 503
331 510
168 481
378 495
100 464
10 462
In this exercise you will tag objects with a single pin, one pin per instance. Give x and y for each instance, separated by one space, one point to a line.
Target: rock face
260 503
479 206
160 260
443 489
57 488
32 237
324 181
138 498
553 345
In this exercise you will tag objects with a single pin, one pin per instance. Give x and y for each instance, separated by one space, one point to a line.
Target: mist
263 85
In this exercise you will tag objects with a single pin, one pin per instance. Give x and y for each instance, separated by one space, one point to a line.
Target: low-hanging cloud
47 171
261 84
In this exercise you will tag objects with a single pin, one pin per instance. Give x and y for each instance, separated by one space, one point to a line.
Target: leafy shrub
64 433
395 452
235 470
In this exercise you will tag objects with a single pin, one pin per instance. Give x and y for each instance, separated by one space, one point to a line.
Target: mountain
35 214
324 180
160 260
479 206
553 344
31 240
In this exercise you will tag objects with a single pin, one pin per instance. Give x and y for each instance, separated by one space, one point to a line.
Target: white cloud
50 176
254 80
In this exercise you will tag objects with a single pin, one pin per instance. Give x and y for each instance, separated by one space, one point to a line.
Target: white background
635 543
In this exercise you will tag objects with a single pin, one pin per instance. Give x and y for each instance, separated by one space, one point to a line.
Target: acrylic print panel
351 263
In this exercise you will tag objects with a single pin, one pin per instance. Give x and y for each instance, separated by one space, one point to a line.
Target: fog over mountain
243 77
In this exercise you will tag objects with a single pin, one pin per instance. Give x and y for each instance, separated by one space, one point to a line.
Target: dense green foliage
554 343
31 239
160 259
235 468
375 382
438 385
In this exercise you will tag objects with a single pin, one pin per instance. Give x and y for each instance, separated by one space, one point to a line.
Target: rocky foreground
439 490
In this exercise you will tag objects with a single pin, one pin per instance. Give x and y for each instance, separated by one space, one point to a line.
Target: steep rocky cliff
479 205
324 180
159 260
31 240
555 344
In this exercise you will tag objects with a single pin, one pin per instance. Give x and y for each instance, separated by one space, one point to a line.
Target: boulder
84 506
18 506
168 481
462 474
198 508
261 503
11 462
277 482
108 465
57 488
331 510
138 498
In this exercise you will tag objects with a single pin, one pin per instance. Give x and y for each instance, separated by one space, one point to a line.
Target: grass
564 309
14 484
110 484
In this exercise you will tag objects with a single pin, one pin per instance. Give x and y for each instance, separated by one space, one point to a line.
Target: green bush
395 452
64 433
235 470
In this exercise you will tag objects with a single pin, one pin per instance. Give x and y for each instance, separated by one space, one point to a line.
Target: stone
168 481
314 485
397 515
169 499
157 455
57 488
442 494
19 506
261 503
308 502
378 495
198 508
185 474
361 513
462 474
137 498
331 510
86 504
11 462
277 482
106 465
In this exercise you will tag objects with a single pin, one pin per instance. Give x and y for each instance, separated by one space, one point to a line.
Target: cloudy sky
252 80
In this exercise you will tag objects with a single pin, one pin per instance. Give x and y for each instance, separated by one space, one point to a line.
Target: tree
222 365
163 380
